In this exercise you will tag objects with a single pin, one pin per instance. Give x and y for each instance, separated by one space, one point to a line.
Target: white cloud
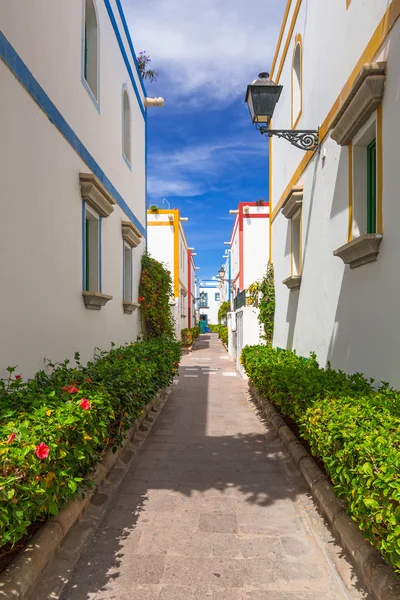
206 48
194 170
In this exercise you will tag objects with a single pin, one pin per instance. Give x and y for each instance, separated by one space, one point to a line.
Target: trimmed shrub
214 328
54 428
351 426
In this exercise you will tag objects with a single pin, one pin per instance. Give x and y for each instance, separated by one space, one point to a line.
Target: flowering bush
54 428
143 63
189 335
352 427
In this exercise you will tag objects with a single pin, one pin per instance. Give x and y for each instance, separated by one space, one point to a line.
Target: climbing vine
155 296
267 304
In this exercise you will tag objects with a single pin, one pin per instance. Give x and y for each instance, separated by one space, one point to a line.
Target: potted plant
153 209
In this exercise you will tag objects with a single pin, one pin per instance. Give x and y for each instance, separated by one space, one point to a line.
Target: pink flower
18 377
85 404
71 389
42 451
11 438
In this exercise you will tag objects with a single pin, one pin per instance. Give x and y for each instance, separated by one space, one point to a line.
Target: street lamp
261 97
221 273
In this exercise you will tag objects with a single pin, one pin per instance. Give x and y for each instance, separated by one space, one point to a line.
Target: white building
335 211
167 243
209 300
73 180
246 264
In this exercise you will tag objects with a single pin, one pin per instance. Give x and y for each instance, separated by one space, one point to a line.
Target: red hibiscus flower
71 389
85 404
141 298
42 451
88 380
11 438
18 377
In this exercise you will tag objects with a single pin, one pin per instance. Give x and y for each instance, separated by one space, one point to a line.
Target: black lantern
221 273
261 98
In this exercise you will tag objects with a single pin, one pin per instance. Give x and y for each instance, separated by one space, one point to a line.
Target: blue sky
204 156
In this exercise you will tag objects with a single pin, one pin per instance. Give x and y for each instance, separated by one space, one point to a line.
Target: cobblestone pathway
211 508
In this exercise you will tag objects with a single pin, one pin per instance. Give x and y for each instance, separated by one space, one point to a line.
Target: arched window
126 126
90 59
297 82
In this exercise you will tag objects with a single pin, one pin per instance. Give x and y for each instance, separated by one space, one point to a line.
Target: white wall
42 311
348 316
255 244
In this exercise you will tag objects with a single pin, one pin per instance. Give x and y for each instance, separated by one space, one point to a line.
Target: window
296 243
297 82
91 42
365 181
203 300
127 284
126 128
371 187
91 234
217 297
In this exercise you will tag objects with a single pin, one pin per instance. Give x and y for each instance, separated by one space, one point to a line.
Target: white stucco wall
347 316
255 244
42 310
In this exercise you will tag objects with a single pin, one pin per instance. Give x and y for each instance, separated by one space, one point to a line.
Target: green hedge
214 328
223 334
54 428
189 335
352 427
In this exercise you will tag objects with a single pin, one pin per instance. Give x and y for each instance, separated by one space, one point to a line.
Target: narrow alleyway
211 508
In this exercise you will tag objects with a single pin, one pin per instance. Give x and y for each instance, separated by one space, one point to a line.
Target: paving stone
215 522
201 571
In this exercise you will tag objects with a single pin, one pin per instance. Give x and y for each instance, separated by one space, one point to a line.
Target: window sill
293 282
130 307
360 251
95 300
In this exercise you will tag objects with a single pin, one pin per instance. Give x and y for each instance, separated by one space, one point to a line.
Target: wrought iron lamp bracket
305 139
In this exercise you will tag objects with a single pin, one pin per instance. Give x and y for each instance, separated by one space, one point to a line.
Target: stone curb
378 576
19 580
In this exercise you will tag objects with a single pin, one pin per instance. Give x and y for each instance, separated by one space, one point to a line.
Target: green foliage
352 427
223 334
223 312
214 328
189 335
155 296
266 289
75 413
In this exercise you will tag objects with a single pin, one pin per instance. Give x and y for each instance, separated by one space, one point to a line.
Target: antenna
166 201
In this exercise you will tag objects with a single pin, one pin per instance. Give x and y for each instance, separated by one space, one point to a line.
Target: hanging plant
154 209
143 62
155 296
267 305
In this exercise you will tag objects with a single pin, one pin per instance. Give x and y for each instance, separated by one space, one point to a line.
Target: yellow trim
282 31
298 42
163 211
301 242
348 2
176 254
288 40
350 186
376 41
379 148
160 223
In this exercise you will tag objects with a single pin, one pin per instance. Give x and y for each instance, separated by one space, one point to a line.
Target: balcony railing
240 300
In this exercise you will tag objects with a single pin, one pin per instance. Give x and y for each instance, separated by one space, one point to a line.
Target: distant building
246 264
167 243
335 211
209 300
72 180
